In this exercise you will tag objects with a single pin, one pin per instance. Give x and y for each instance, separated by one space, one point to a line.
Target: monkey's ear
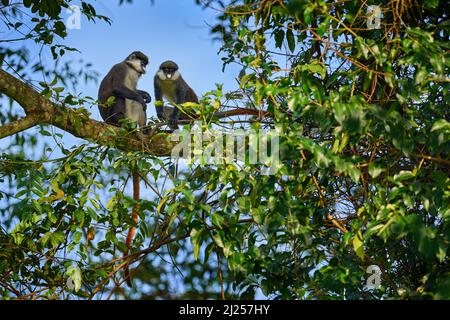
131 57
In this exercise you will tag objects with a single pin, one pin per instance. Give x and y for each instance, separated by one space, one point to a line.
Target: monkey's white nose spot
169 75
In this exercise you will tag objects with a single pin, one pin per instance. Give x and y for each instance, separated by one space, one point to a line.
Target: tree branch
41 111
17 126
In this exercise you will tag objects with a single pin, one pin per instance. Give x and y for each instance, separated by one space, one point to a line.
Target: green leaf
246 78
316 67
290 40
440 125
431 4
358 245
323 26
374 170
57 238
217 220
162 203
279 38
196 240
44 239
404 175
94 203
441 252
307 13
110 205
218 240
77 237
75 278
45 133
420 75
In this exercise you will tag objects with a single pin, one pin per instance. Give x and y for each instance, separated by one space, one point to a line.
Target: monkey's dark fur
170 84
121 83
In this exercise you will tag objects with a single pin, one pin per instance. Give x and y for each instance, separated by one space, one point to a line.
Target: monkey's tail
131 232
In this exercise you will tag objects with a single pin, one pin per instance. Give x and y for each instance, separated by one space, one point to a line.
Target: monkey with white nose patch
169 84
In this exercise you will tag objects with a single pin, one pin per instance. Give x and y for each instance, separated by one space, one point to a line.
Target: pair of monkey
131 103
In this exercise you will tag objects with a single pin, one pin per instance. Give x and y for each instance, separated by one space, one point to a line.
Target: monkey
120 83
169 84
129 104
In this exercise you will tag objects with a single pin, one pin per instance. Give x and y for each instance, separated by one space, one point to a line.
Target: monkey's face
137 63
168 73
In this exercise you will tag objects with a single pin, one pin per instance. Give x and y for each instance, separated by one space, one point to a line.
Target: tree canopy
357 207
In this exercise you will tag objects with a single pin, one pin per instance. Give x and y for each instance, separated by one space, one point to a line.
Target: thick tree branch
17 126
39 110
26 96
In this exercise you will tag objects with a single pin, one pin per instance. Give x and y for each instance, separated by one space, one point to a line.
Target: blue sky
170 29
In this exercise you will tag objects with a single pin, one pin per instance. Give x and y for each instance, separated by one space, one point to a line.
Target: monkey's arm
120 89
191 96
147 97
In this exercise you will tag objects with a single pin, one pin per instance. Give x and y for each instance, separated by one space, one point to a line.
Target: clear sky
169 29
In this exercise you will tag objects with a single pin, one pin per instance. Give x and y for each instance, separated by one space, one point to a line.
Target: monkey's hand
146 96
